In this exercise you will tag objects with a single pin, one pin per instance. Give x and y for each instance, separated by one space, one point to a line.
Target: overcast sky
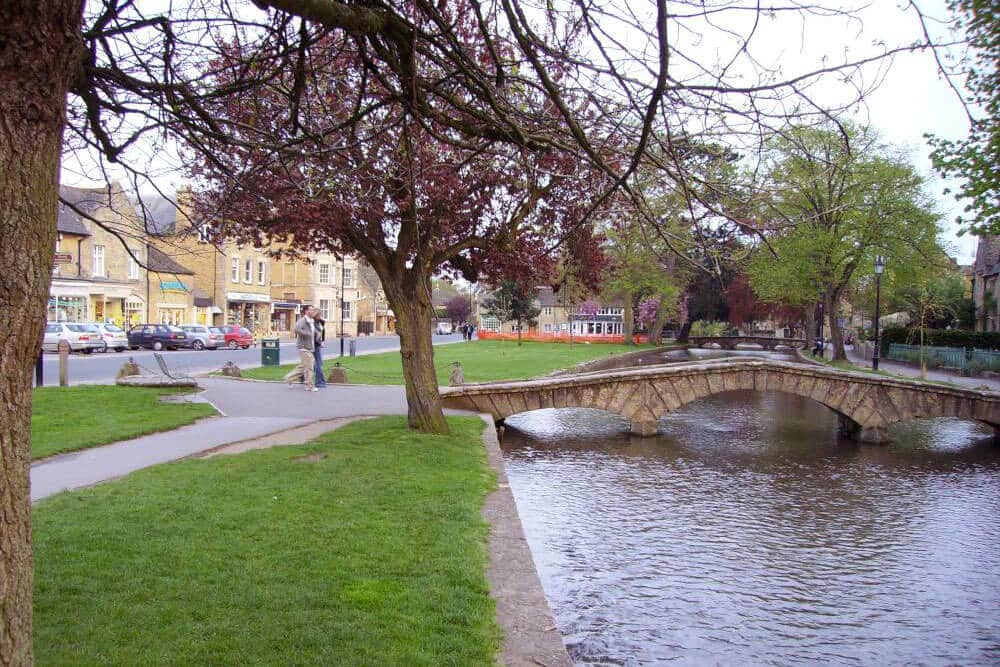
911 101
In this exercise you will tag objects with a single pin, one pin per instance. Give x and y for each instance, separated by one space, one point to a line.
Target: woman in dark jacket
320 327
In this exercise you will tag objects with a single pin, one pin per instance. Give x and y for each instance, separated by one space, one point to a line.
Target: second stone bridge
865 404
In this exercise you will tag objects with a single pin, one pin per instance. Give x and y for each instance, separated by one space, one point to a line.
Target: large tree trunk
410 298
682 336
656 331
39 54
810 324
836 335
628 320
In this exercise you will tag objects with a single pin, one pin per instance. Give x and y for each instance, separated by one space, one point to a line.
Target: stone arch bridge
865 404
730 342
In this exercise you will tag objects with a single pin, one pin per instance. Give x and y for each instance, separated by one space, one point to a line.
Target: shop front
250 310
109 302
69 301
284 315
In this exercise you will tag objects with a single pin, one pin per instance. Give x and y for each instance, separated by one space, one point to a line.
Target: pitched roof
160 262
987 255
84 199
159 214
547 297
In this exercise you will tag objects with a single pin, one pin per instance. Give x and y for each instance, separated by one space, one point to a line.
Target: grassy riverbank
482 361
363 547
65 419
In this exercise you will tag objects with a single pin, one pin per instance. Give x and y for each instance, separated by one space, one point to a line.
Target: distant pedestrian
465 331
320 325
818 347
305 343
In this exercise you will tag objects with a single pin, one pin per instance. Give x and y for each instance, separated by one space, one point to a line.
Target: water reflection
748 533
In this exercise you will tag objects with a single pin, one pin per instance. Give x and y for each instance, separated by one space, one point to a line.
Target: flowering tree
406 193
648 310
458 308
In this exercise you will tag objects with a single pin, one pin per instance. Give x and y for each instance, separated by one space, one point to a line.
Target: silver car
113 337
204 337
81 337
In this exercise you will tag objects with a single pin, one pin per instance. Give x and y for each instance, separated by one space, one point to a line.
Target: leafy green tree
932 299
841 196
975 159
639 269
511 303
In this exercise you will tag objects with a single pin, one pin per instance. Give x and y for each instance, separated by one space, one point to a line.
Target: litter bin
270 352
352 347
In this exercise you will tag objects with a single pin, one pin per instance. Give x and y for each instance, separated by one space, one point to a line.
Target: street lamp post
879 268
342 263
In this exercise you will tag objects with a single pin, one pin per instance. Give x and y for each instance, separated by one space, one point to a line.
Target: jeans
320 377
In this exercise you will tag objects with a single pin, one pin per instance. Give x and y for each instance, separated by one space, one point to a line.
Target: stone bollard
337 374
63 363
231 370
128 369
457 377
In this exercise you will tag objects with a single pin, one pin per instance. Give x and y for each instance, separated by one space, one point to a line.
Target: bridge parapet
730 342
866 404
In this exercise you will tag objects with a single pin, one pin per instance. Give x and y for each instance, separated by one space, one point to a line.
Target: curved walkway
247 410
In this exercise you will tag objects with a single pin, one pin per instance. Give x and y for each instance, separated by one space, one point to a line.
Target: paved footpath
248 410
906 370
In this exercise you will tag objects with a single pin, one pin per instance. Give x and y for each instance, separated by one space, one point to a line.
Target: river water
747 533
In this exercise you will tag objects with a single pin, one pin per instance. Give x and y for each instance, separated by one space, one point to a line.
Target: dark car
158 336
237 337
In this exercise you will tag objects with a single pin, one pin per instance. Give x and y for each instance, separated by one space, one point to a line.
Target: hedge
980 340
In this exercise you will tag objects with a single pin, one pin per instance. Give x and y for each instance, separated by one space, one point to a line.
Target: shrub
980 340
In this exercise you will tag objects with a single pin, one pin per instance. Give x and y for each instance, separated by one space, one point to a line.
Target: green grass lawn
65 419
371 551
482 361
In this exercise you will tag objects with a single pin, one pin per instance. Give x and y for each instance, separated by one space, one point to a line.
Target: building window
59 243
348 277
346 305
548 328
324 274
324 308
261 273
490 324
248 271
98 261
547 310
133 265
236 269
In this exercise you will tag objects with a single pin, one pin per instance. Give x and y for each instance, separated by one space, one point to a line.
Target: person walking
320 325
305 343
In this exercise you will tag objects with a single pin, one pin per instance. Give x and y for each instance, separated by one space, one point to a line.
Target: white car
113 337
444 328
81 337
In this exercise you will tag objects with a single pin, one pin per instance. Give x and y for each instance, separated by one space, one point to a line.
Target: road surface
101 368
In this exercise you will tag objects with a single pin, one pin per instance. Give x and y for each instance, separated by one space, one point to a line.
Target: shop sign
62 258
248 296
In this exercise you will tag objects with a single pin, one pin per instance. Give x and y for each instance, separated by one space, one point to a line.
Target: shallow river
747 533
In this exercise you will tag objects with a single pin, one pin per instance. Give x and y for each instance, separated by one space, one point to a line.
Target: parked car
158 336
204 337
113 337
81 337
237 336
444 328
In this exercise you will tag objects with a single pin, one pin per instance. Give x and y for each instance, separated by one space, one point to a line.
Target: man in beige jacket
305 342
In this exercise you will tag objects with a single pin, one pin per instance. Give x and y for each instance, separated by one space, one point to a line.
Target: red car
237 337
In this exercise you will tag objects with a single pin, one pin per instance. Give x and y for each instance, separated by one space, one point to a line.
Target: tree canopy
839 200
